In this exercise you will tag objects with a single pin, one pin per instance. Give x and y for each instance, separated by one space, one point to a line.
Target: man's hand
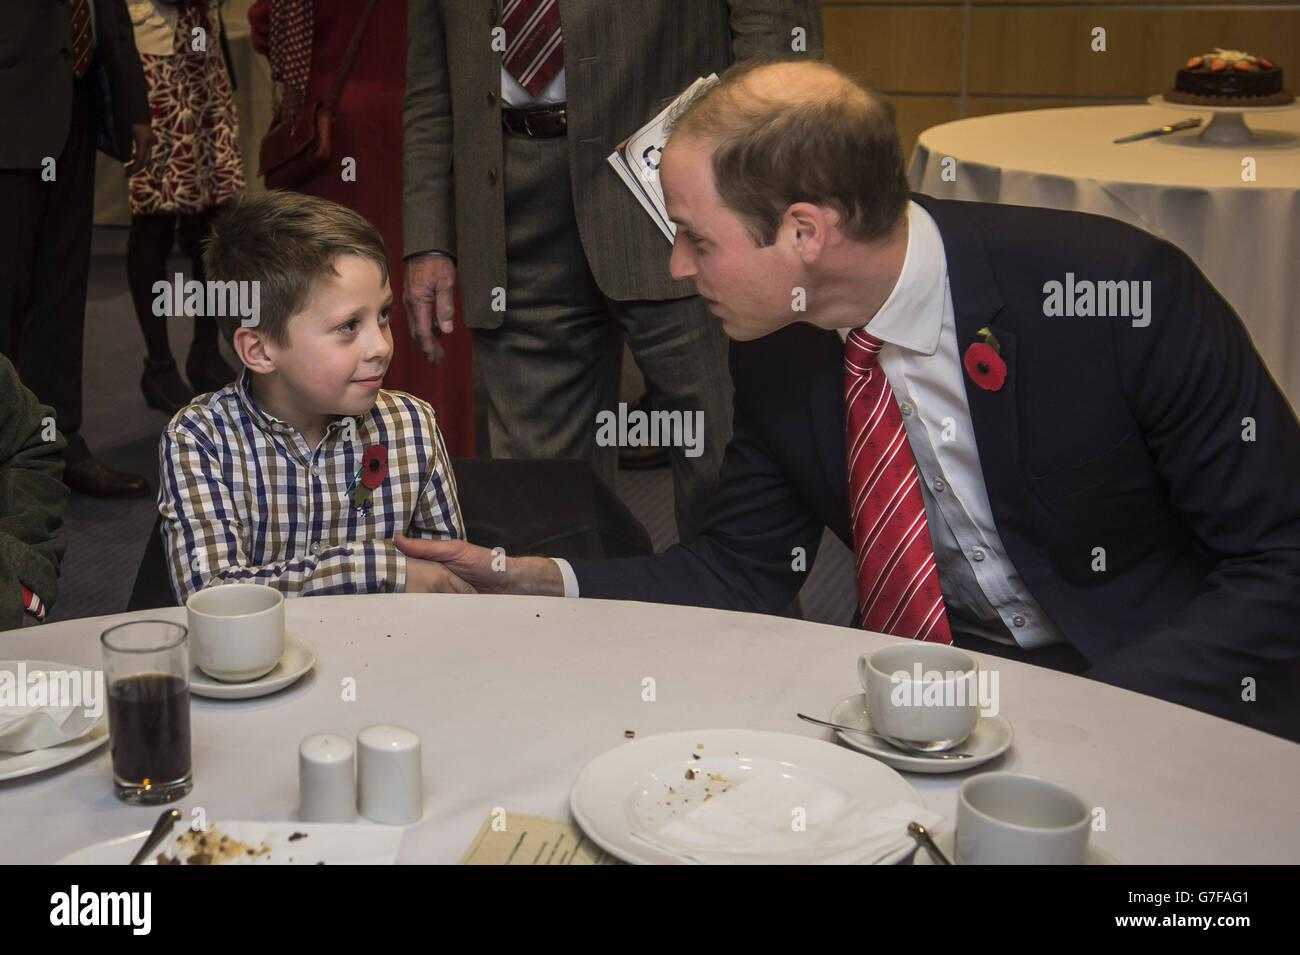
430 288
142 140
426 577
486 571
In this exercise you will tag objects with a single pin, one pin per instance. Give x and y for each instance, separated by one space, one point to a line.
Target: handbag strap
332 100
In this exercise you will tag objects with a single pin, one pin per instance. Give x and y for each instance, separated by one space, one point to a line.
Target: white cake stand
1228 124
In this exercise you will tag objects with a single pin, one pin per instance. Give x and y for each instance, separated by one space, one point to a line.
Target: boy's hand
486 571
426 577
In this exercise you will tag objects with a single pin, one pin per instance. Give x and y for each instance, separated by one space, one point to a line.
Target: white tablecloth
1245 236
512 696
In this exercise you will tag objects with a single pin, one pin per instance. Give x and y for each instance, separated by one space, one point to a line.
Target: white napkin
26 727
754 821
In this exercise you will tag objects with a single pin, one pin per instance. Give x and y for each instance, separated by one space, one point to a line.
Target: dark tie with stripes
83 38
534 47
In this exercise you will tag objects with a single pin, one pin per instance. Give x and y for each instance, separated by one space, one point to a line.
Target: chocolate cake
1229 78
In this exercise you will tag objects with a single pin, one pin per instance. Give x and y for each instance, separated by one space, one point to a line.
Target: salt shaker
389 782
326 779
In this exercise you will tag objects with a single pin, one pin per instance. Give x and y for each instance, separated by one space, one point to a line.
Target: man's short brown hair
285 241
808 135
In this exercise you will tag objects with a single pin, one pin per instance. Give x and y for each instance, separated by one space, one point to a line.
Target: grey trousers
555 362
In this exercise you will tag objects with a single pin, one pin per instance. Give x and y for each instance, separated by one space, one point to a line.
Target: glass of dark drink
147 665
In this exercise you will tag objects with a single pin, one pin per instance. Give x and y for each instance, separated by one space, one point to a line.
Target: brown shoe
90 477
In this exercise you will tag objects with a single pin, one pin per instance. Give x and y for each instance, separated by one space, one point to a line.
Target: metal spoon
161 828
922 836
898 744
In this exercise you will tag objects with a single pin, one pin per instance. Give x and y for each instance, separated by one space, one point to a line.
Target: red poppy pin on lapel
983 362
371 474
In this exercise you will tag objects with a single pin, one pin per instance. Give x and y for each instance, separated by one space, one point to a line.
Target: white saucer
944 840
299 657
14 765
990 739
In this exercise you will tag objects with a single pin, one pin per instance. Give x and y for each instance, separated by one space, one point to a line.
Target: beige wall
943 60
939 60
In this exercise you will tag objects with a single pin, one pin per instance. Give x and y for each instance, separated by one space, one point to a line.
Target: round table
1244 235
512 696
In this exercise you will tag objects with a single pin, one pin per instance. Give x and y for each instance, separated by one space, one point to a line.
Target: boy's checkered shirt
243 498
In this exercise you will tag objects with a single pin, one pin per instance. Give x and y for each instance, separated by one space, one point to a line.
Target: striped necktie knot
861 351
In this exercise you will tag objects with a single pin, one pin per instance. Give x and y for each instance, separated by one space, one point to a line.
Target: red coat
368 128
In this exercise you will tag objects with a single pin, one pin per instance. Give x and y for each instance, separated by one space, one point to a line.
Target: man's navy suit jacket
1165 451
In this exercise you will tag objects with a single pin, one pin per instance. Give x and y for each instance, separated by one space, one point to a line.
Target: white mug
924 693
1013 819
236 630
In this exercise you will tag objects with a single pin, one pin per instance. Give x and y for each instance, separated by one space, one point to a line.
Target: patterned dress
196 163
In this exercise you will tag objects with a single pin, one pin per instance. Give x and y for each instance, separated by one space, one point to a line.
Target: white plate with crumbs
254 843
744 797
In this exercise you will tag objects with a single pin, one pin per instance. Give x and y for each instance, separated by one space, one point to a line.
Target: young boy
300 473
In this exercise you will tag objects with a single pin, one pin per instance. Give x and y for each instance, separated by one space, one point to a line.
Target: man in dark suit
512 107
1107 484
69 77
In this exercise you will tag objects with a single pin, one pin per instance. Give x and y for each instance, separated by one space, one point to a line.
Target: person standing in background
512 107
305 42
197 168
69 75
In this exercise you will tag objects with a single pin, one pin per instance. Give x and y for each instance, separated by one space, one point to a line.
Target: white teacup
1013 819
236 631
926 694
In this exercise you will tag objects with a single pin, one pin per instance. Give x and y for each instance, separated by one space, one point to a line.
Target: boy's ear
251 347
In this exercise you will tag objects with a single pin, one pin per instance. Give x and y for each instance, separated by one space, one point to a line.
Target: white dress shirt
982 590
512 94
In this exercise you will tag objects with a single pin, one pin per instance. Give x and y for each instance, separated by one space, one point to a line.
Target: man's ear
809 227
253 350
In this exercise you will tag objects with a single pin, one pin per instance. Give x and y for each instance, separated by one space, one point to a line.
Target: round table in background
1243 233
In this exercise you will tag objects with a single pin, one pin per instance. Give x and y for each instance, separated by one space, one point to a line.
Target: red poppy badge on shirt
983 362
374 466
371 474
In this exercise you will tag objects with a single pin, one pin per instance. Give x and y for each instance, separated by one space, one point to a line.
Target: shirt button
315 470
979 554
906 408
315 547
1018 620
939 485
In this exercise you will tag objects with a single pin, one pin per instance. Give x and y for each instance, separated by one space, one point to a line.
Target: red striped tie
83 38
898 585
534 48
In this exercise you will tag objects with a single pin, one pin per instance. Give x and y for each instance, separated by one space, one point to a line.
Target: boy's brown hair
285 241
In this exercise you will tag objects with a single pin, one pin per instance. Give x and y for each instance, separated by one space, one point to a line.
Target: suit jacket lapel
994 414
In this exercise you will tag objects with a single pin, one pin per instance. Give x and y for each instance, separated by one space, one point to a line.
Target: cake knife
1162 131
